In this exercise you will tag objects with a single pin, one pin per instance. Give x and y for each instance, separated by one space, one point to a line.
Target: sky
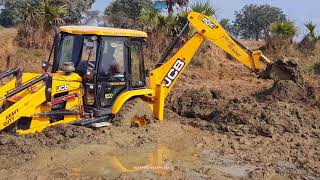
299 11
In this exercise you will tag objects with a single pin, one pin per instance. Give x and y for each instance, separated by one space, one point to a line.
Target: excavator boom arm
163 78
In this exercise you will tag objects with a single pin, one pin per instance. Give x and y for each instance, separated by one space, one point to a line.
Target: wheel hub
140 122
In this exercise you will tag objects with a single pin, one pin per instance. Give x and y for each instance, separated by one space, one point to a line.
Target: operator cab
110 61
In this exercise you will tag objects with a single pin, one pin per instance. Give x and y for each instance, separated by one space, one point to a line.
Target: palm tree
311 28
204 8
51 14
281 34
43 14
284 30
309 42
38 17
149 18
172 3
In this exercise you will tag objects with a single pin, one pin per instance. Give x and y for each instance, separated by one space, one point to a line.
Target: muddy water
149 161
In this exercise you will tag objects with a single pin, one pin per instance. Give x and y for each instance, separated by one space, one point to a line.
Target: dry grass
33 38
11 55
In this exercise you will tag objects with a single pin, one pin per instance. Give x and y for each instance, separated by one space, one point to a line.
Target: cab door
111 80
121 68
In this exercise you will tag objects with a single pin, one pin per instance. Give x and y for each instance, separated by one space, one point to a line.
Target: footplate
94 122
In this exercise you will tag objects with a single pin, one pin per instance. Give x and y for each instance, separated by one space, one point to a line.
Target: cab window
112 63
137 67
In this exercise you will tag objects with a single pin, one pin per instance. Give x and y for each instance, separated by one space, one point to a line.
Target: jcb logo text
174 72
63 88
209 23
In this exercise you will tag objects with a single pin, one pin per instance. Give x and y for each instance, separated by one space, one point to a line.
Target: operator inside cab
112 62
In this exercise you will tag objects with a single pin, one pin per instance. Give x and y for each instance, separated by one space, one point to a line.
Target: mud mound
198 103
289 91
247 116
284 69
285 108
16 149
285 90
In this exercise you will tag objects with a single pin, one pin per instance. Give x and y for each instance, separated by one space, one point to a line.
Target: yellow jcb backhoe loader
98 77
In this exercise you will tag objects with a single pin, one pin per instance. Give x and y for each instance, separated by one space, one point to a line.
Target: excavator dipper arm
215 33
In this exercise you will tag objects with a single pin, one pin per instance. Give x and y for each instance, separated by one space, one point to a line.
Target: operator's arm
215 33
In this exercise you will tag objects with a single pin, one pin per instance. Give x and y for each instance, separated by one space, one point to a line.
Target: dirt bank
277 123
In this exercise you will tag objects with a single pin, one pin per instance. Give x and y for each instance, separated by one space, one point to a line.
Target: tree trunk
257 36
170 4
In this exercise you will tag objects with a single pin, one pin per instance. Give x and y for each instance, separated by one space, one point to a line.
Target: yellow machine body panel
31 103
124 97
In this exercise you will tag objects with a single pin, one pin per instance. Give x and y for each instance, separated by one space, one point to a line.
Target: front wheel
134 113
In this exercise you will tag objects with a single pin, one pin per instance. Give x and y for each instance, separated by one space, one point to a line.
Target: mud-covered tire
132 109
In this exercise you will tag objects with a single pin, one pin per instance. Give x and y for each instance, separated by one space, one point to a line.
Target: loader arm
168 71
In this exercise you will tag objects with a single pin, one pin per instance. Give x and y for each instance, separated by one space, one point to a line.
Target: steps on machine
95 122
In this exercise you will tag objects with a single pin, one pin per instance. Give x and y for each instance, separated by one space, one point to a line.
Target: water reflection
158 162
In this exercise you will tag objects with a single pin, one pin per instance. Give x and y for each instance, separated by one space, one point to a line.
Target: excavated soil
206 136
221 123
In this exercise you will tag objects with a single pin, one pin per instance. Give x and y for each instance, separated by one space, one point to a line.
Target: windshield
76 49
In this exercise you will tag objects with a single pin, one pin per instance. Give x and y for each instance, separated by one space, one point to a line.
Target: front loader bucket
283 69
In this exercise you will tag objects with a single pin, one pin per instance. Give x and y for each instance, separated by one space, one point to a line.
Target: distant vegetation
34 20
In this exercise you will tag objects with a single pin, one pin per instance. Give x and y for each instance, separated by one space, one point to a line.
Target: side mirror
45 65
145 45
89 74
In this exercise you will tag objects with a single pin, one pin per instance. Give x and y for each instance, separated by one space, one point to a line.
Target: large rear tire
134 113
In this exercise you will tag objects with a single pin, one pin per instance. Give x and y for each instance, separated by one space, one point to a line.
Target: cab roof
102 31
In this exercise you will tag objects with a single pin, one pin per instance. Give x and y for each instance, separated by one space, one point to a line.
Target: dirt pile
247 116
286 91
197 103
291 92
19 149
286 107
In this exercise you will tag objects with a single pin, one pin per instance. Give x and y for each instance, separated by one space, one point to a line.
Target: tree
254 21
225 23
9 15
76 9
36 21
172 3
310 40
11 12
283 30
126 13
281 34
204 8
91 17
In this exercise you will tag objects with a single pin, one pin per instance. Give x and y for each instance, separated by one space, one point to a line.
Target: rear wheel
134 113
